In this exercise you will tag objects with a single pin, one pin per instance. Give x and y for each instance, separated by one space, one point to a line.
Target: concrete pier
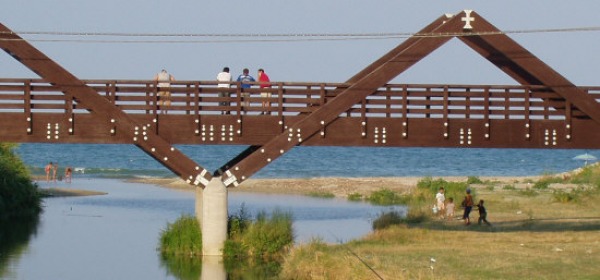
198 205
214 217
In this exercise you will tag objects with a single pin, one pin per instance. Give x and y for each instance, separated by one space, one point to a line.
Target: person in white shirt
440 202
224 76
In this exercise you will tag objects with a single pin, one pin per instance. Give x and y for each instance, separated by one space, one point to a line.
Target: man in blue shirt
245 80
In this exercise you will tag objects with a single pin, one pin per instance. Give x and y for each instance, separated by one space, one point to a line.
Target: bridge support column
214 217
198 205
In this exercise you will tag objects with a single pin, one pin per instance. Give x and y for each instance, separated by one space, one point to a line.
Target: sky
573 54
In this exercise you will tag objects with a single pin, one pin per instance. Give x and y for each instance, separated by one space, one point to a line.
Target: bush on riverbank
266 236
19 196
183 237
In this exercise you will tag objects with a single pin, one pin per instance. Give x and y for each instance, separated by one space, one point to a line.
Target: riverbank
339 187
538 231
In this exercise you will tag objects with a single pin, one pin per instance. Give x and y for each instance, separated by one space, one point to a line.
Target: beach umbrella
586 157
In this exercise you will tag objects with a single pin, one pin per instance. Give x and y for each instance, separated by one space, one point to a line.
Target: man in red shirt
264 84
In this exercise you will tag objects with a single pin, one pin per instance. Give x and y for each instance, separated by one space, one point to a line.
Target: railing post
27 107
280 100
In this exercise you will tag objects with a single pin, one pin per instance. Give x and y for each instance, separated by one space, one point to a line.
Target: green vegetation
355 197
386 197
183 237
321 194
539 230
19 196
265 237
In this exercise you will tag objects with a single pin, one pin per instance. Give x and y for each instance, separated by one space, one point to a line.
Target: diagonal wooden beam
524 67
363 84
363 73
141 135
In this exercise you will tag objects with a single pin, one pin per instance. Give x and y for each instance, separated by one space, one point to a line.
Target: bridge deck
394 115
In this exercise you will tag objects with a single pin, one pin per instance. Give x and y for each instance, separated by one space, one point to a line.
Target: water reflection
14 236
115 236
218 268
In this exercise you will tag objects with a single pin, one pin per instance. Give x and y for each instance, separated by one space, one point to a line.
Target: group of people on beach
163 81
446 210
51 170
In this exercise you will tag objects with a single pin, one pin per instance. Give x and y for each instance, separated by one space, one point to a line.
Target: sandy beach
340 187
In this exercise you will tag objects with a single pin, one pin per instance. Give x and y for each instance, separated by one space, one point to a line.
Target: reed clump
266 236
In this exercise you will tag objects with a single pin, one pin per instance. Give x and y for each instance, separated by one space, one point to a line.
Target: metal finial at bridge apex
468 19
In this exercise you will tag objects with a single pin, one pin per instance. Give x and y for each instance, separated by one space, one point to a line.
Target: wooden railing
290 99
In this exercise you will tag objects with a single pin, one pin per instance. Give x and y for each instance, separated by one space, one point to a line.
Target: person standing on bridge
225 79
163 88
265 83
245 79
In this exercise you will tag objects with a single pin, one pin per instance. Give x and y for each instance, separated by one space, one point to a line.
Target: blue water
126 161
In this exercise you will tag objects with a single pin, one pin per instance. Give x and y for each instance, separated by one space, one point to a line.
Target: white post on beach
214 217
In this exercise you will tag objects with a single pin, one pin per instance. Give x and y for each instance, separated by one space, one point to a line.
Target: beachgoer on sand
482 213
468 204
48 168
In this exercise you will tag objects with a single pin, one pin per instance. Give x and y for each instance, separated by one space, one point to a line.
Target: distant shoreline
340 187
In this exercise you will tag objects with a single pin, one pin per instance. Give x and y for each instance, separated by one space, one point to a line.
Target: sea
123 161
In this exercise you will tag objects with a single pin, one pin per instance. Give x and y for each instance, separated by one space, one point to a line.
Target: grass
536 233
321 194
267 236
182 238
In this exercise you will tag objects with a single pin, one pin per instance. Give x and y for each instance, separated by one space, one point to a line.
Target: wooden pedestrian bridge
542 110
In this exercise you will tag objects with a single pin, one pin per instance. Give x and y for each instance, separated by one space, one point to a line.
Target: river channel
115 236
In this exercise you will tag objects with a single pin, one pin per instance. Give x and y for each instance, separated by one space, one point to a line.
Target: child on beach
482 213
450 209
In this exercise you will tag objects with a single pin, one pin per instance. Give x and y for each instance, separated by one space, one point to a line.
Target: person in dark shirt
482 213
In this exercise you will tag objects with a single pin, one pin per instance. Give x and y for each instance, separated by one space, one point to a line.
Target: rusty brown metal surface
545 111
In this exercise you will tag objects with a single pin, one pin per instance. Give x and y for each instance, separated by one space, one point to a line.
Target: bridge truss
545 111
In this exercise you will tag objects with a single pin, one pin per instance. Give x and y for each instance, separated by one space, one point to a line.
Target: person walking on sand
440 200
245 79
468 203
265 83
482 213
163 88
225 78
48 168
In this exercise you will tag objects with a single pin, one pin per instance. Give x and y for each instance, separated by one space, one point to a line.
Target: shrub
545 182
321 194
387 219
183 237
268 236
564 197
355 197
19 196
474 180
386 197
